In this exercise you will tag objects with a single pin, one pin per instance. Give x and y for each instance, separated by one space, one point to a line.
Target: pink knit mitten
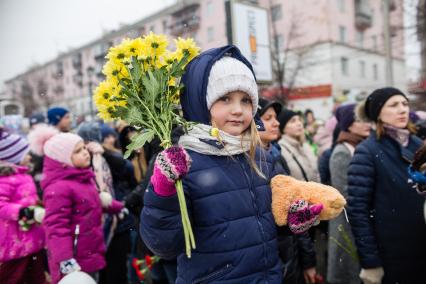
302 216
170 165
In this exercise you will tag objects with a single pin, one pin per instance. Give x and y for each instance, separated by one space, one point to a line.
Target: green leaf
134 116
138 141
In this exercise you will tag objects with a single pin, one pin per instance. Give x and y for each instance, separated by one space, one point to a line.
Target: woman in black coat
296 251
385 213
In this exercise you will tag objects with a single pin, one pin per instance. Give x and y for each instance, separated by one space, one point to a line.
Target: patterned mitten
170 165
302 216
68 266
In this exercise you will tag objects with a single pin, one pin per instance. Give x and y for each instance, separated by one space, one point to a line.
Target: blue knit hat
107 131
345 116
55 114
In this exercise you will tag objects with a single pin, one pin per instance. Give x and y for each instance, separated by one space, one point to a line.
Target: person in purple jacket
21 236
73 206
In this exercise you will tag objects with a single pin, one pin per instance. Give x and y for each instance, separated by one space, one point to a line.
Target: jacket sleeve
57 222
161 226
8 210
306 250
361 187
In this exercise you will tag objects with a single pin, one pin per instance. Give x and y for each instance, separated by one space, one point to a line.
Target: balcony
101 50
76 61
185 20
363 15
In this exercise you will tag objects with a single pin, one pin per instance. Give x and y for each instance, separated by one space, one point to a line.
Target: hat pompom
39 136
360 112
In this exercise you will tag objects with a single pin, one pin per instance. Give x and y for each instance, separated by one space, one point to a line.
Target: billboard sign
251 35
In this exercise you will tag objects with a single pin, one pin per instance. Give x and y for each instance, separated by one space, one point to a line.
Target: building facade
325 48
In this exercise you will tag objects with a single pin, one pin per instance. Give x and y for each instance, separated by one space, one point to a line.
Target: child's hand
302 216
170 165
26 218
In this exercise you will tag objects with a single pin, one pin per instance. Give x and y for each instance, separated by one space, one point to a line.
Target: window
164 26
360 39
210 8
374 42
375 71
344 62
341 5
342 34
279 42
210 34
362 68
152 28
276 12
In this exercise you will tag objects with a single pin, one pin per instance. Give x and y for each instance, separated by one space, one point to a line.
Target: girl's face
232 113
80 157
272 130
395 112
294 127
360 128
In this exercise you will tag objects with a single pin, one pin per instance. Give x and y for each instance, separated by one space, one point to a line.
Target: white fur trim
106 199
39 136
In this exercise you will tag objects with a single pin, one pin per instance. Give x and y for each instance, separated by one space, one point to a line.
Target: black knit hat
285 116
264 104
377 99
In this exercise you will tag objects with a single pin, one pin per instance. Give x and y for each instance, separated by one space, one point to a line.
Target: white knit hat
228 75
61 146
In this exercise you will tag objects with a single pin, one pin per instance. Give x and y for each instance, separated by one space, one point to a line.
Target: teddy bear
286 190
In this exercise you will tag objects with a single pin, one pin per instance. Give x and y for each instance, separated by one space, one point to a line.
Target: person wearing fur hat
73 205
225 180
386 215
60 118
342 268
296 251
21 235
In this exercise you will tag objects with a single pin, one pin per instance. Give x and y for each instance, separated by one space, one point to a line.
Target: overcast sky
35 31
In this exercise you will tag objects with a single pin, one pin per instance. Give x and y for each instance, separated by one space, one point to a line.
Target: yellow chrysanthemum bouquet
142 87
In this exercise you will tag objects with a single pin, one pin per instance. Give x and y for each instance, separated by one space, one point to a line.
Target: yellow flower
186 46
155 44
172 82
214 132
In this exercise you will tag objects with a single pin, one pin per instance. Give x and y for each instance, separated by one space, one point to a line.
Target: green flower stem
187 229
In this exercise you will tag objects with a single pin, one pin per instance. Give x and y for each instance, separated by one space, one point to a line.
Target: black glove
26 213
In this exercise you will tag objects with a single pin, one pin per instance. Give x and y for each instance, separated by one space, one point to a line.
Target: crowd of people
70 201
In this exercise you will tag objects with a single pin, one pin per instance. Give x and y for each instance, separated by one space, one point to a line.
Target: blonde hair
255 142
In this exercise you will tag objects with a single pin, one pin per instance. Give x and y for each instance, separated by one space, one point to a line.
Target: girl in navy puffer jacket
225 179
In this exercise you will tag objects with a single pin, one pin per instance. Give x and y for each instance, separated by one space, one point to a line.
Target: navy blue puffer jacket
386 214
230 212
229 205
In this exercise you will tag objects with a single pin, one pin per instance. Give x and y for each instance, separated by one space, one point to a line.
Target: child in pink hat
73 205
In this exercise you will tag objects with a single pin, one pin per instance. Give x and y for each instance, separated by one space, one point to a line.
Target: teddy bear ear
360 112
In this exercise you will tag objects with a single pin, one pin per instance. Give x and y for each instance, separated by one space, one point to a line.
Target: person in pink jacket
73 205
21 237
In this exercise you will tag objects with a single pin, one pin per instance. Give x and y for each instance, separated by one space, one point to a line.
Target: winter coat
230 210
342 268
300 159
386 214
124 182
71 198
17 190
296 251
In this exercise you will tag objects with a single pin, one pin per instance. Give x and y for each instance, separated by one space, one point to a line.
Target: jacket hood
196 78
54 170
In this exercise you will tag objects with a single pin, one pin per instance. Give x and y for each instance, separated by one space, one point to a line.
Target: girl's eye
247 100
224 99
